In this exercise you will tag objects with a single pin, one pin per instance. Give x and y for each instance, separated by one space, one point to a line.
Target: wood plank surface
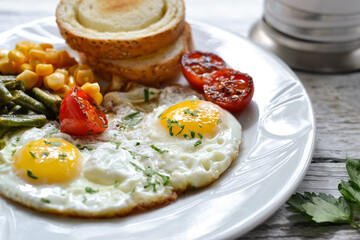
336 103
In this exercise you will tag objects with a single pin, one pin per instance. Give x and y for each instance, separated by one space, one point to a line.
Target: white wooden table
335 99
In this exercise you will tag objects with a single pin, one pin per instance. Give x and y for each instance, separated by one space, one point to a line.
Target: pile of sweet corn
40 65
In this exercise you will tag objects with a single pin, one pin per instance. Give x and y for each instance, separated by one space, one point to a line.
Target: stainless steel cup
313 35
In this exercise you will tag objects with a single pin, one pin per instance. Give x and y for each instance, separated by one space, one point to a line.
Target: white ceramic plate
279 133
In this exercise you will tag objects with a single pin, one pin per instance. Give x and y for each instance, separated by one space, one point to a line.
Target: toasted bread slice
118 29
151 69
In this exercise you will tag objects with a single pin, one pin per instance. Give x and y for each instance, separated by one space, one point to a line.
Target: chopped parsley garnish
150 174
13 152
32 154
116 184
17 139
90 190
134 155
90 132
137 144
159 150
200 126
133 122
30 175
62 156
146 95
52 133
219 121
194 113
45 154
200 135
117 145
170 126
53 143
192 133
197 143
84 147
131 116
130 121
45 200
160 115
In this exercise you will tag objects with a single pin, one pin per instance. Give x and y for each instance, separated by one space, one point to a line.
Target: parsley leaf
90 190
85 147
159 150
197 143
30 175
44 200
150 174
146 95
326 208
132 115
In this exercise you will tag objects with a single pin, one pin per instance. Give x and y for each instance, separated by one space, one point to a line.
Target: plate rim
290 187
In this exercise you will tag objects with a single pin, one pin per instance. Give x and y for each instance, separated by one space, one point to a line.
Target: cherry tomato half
230 89
80 115
196 66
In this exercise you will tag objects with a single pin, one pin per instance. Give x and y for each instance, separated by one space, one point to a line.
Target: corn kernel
3 53
37 54
16 56
63 71
29 77
73 68
91 88
34 62
25 66
45 46
64 58
25 46
7 67
84 75
55 81
71 82
52 56
44 69
98 97
62 91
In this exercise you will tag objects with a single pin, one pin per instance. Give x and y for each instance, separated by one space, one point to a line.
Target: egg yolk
47 161
190 119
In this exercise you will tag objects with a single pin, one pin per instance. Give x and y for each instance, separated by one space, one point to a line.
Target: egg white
113 162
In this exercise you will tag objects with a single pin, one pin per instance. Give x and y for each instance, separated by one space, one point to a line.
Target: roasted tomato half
197 66
80 115
230 89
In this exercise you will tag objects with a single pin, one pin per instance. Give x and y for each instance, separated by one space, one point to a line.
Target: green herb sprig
325 207
150 174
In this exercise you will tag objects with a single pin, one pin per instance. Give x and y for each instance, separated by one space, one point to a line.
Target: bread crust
119 48
152 74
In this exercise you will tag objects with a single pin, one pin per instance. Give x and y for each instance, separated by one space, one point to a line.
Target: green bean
2 144
50 100
3 131
13 85
7 78
14 109
9 121
24 100
5 95
4 110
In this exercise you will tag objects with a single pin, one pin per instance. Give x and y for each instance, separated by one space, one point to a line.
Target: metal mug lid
337 7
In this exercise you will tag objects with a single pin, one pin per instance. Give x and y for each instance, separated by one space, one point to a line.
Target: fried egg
159 143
